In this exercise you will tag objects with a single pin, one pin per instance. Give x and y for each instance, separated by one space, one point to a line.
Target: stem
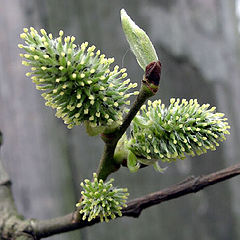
107 164
148 89
143 95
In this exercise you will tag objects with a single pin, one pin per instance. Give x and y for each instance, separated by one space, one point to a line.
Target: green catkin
76 80
184 128
101 199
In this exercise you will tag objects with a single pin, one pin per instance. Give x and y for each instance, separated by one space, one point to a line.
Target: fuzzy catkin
101 199
76 80
170 133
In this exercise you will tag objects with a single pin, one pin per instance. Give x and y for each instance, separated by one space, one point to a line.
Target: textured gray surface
197 44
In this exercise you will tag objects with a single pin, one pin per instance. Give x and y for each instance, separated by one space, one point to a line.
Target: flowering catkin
167 134
101 199
76 80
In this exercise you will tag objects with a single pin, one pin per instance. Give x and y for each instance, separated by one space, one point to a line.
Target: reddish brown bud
153 73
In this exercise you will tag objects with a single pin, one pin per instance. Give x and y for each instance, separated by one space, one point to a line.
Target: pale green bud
139 41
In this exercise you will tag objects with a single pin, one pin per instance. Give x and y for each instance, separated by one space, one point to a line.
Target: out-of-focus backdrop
197 42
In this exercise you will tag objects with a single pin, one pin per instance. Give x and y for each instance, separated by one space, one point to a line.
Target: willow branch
190 185
134 208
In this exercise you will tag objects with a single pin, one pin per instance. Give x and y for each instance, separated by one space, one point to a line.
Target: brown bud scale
153 72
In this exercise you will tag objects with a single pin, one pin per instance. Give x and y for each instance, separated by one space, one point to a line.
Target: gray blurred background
198 44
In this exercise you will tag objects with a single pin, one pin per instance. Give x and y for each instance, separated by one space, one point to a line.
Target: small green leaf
158 168
139 41
93 131
146 161
132 163
121 151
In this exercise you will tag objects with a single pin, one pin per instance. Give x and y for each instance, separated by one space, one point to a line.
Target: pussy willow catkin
101 199
168 133
77 80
